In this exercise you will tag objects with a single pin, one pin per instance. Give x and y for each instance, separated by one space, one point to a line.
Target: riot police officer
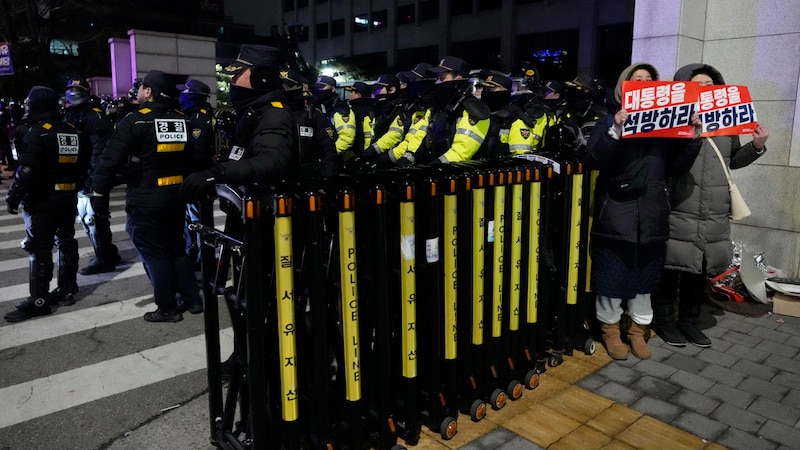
328 101
459 122
93 122
315 130
264 146
54 158
151 147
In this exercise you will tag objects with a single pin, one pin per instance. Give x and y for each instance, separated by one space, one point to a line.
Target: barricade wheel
589 346
555 360
532 379
477 411
514 390
449 428
498 399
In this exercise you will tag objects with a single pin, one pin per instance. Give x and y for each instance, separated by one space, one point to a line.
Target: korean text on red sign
659 108
726 110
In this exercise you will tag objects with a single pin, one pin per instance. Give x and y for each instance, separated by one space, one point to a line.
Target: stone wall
755 43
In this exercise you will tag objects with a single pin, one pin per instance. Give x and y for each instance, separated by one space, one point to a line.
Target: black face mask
192 99
324 96
242 97
496 100
419 88
447 92
361 106
294 99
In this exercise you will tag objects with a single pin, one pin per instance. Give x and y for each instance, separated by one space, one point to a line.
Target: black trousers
48 223
689 289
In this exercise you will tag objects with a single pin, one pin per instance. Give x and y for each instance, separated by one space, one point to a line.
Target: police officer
194 104
360 102
315 131
388 126
93 122
460 122
338 112
54 159
264 147
511 130
151 147
417 103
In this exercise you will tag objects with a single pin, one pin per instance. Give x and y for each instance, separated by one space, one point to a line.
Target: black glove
13 199
382 161
197 185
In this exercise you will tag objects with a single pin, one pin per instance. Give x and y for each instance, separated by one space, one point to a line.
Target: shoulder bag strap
721 160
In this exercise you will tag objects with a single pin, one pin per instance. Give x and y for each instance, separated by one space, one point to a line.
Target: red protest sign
726 110
659 108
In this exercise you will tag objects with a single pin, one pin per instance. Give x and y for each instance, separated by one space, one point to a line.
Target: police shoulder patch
525 133
471 121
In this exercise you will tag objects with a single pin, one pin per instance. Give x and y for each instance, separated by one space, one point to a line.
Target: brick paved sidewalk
742 393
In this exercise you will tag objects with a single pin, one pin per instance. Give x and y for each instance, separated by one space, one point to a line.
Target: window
429 10
360 23
458 7
380 19
406 14
302 36
337 28
288 5
321 30
488 5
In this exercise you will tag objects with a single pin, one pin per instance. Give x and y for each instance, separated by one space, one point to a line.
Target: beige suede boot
639 347
614 346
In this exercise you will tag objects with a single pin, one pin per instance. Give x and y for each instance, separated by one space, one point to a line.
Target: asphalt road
95 375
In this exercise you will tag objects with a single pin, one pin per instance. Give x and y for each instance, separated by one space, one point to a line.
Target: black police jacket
201 133
317 143
265 144
54 156
94 123
151 148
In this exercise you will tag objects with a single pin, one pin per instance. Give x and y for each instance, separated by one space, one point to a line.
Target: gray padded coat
699 222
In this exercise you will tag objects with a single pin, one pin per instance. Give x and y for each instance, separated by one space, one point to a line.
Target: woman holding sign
700 243
631 215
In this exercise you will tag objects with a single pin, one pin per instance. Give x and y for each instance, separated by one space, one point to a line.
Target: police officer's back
54 159
152 149
85 114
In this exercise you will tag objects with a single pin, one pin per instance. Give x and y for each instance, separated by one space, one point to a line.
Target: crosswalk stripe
75 387
15 227
18 291
117 228
25 333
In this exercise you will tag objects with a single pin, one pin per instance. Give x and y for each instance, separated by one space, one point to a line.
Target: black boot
664 316
63 295
38 304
